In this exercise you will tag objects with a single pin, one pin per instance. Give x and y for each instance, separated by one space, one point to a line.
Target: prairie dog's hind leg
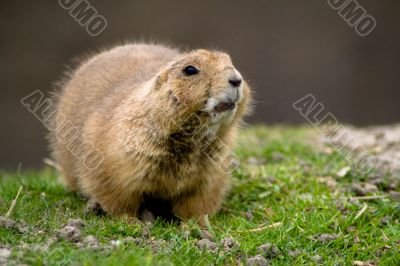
155 207
92 206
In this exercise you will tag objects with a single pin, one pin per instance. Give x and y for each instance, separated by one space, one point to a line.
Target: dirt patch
325 238
76 223
228 244
207 245
382 142
316 259
257 260
269 250
372 153
9 224
294 253
69 233
92 242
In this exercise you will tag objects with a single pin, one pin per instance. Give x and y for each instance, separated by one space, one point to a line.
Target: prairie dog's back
100 76
95 86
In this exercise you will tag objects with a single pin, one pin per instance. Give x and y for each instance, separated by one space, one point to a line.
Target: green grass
285 189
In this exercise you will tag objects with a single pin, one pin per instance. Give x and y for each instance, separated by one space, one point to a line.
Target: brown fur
142 116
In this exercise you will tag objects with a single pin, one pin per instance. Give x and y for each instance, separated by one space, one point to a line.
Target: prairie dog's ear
162 76
160 79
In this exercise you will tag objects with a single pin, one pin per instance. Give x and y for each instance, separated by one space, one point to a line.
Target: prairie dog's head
207 83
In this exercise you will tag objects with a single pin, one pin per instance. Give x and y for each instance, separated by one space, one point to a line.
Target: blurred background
285 49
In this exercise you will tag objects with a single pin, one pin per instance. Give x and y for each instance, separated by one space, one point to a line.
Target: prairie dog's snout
235 81
228 97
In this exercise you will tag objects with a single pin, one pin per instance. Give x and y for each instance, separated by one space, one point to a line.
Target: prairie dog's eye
190 70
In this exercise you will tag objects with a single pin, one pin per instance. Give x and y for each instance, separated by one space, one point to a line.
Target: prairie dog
141 124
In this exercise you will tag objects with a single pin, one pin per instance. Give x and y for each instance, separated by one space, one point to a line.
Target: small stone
228 244
70 233
316 258
358 189
356 240
271 179
382 250
239 258
306 169
269 250
205 234
294 253
116 243
341 207
351 229
257 260
394 184
363 189
385 238
249 215
129 239
7 223
394 195
186 234
158 246
370 188
205 244
324 238
92 242
22 227
90 239
277 156
376 180
363 263
256 161
385 220
328 181
343 172
5 253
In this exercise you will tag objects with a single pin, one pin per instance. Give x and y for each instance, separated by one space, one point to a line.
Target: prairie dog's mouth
220 111
224 106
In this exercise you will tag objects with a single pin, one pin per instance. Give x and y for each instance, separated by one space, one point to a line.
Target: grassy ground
285 193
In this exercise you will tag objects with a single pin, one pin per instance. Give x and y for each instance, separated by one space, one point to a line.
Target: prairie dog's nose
235 82
236 79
